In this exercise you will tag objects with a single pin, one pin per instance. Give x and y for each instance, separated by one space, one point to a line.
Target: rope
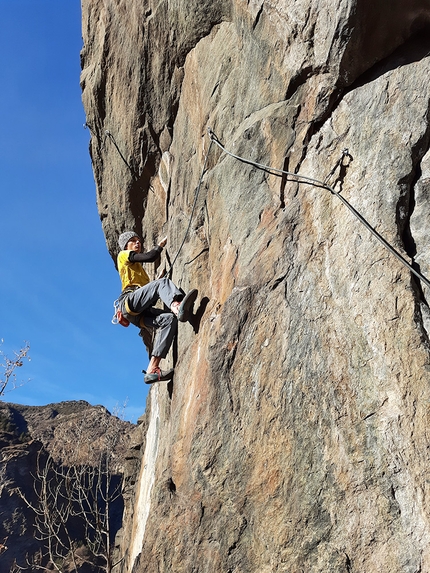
316 182
196 196
111 137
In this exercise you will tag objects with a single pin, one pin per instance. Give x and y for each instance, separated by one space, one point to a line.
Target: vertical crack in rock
406 204
314 127
404 213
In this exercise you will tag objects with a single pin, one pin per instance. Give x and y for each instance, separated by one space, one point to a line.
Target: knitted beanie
124 239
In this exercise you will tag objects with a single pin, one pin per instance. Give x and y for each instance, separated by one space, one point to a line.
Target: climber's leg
166 326
144 297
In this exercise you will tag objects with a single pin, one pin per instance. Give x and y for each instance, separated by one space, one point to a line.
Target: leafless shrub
76 489
9 366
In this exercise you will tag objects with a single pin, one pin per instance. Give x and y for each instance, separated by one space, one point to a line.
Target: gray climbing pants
141 303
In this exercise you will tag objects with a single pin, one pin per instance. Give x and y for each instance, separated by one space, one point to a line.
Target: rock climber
140 294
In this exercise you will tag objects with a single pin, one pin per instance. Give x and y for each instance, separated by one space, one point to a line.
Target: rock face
295 435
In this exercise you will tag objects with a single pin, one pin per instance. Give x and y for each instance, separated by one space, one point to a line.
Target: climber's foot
186 305
158 376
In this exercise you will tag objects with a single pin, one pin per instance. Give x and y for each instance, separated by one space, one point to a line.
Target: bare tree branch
75 491
9 365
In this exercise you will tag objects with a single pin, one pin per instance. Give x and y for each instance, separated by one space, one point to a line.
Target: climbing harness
323 184
119 318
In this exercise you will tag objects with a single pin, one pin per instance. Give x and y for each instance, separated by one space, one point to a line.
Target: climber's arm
149 257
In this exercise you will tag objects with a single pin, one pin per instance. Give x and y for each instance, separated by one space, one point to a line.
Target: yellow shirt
131 273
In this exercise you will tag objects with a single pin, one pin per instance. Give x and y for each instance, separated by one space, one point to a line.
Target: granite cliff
295 434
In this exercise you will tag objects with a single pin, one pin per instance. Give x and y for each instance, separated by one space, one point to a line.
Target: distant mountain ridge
27 432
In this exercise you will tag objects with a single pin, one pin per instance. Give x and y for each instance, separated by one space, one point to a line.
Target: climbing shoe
186 305
158 376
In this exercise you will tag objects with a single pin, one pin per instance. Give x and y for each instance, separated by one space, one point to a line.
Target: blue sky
57 279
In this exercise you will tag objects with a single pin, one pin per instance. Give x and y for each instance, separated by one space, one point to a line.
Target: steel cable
318 183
